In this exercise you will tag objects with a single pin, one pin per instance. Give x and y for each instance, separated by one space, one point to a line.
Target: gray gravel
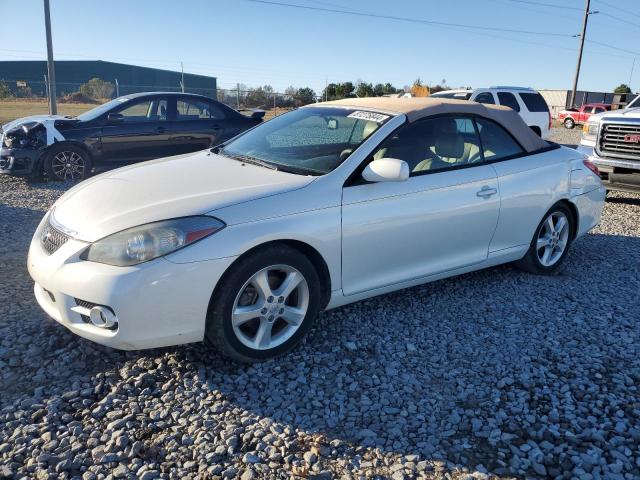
567 137
496 371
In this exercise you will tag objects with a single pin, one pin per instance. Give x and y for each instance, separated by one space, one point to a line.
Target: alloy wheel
270 307
553 239
67 165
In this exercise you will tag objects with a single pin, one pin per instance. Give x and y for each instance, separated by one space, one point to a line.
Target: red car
572 117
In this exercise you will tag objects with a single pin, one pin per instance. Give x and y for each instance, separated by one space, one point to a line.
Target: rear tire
569 123
264 305
64 162
551 242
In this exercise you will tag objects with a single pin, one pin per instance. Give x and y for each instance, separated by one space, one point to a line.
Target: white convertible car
326 205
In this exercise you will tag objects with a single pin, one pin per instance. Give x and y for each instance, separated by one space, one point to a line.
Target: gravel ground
565 136
494 373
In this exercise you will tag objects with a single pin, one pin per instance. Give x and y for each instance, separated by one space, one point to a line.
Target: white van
526 101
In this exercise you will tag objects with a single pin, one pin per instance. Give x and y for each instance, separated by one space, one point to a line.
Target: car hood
173 187
622 114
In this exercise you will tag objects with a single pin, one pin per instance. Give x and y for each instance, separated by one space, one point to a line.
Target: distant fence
255 98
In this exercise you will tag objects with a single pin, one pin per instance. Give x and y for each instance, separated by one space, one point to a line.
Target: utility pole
584 33
53 106
238 95
631 74
182 81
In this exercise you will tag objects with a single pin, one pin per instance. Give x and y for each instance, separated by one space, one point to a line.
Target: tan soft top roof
418 107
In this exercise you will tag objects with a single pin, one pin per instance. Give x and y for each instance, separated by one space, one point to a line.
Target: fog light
102 317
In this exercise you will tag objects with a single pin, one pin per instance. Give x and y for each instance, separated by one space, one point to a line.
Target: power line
411 20
635 14
542 4
618 19
613 47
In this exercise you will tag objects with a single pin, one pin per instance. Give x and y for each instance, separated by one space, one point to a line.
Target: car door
138 131
526 180
197 124
440 219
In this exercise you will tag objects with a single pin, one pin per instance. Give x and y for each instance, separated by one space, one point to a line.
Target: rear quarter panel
529 186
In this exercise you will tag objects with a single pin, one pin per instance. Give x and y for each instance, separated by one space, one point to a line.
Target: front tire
264 305
569 123
67 162
551 242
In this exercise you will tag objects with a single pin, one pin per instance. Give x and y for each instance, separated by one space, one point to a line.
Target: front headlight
590 131
146 242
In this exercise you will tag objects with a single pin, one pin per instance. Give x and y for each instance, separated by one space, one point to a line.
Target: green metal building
29 76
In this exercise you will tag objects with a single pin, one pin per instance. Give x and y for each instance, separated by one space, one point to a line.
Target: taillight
591 166
550 121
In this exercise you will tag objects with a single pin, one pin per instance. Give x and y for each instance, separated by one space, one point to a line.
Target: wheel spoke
542 242
263 337
293 315
548 251
561 224
289 284
242 315
549 224
261 282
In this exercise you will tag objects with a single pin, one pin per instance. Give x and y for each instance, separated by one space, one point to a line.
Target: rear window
534 102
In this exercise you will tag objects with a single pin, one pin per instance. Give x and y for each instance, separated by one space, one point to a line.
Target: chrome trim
613 153
58 226
633 165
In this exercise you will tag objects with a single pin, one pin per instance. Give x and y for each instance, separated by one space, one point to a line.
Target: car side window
433 144
485 97
147 110
195 109
598 110
497 143
508 100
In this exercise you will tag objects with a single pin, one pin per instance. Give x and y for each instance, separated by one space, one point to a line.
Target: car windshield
100 109
308 141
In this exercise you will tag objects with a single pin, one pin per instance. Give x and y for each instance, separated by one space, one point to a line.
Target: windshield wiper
249 159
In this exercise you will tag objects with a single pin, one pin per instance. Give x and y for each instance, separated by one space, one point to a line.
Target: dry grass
12 109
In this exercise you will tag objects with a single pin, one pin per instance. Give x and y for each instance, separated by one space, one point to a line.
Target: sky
244 41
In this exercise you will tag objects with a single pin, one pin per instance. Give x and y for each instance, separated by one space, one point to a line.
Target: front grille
619 140
52 239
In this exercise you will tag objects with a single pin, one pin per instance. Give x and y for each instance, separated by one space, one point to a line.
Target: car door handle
486 192
216 127
161 129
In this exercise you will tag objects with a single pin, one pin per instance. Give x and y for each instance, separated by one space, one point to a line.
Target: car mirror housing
386 170
115 118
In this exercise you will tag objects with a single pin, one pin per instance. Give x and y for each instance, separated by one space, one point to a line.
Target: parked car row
126 130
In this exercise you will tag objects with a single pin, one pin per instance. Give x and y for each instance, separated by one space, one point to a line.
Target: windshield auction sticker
371 116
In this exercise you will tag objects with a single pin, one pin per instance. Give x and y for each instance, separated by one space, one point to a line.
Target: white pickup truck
611 140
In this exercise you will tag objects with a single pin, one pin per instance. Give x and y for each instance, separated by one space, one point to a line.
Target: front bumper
156 304
19 161
617 173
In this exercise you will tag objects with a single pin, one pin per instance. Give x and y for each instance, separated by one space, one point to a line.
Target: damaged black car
126 130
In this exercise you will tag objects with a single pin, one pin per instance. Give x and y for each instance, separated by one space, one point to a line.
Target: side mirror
115 118
258 114
386 170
